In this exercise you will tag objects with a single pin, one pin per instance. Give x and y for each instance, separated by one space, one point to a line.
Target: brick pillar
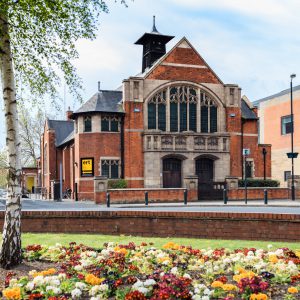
100 189
191 184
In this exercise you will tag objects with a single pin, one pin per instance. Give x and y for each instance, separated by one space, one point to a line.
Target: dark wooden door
207 188
171 173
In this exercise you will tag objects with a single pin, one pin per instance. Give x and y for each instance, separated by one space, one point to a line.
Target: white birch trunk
11 254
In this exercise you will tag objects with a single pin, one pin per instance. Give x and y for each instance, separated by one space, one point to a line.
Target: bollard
225 196
265 196
146 198
185 197
107 199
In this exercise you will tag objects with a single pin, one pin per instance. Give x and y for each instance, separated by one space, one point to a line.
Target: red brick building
175 120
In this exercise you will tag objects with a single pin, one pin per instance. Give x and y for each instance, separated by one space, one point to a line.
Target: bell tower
154 46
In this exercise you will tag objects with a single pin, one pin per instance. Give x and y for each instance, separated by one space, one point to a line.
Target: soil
24 268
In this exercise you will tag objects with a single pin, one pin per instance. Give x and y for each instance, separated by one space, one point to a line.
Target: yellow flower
259 296
93 280
292 290
297 252
171 245
273 258
244 274
12 293
217 284
48 272
229 287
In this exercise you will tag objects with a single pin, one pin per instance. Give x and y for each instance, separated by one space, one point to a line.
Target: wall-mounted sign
246 152
87 167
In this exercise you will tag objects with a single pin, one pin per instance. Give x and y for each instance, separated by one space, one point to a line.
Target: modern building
173 120
275 128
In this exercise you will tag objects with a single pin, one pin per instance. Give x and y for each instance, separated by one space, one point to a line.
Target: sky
252 43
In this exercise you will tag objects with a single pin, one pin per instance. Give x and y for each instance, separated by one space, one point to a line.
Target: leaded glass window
157 111
110 123
182 104
104 124
110 168
87 124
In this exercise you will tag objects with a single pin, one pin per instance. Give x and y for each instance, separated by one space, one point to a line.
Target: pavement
253 206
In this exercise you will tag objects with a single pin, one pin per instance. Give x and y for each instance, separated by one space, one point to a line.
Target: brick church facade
175 120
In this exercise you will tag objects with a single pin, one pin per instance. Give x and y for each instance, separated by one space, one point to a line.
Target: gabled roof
247 112
103 101
282 93
184 41
63 129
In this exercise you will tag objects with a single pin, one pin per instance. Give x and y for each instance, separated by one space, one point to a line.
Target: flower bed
134 272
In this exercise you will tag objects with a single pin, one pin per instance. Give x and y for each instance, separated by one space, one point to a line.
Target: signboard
246 152
87 167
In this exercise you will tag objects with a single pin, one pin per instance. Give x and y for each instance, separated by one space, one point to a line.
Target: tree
31 128
3 168
37 46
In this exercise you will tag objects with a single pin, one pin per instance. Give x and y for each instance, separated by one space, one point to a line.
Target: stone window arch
182 107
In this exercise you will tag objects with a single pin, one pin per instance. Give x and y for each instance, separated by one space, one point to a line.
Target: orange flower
93 280
172 246
12 293
48 272
292 290
229 287
217 284
259 296
273 258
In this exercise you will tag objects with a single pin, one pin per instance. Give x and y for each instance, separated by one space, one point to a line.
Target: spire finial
154 27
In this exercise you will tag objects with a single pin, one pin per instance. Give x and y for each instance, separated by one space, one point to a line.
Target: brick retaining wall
245 226
258 193
138 195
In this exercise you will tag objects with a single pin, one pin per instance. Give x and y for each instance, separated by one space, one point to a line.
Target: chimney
69 114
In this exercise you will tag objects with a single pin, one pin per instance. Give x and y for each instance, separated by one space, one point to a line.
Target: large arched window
187 108
157 111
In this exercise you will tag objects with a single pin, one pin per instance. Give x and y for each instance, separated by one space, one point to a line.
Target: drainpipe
242 147
122 148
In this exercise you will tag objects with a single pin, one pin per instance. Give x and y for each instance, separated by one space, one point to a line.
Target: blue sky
253 43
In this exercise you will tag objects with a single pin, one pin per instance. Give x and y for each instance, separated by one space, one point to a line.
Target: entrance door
171 173
207 188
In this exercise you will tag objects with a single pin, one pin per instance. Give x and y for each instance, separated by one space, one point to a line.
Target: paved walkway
274 206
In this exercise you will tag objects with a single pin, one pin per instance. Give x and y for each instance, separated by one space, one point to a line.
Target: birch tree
37 47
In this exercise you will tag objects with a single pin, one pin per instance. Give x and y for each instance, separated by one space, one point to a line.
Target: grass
95 240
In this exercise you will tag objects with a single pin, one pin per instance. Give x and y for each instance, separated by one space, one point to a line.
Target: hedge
259 183
117 184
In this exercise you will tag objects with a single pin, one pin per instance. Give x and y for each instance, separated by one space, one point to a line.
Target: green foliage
259 183
43 34
117 184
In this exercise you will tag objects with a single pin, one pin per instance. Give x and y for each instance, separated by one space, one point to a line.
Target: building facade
174 120
275 127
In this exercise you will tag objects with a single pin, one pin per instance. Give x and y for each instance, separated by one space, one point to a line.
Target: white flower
174 270
143 290
78 268
76 293
149 282
38 280
80 285
270 246
103 287
30 286
54 289
186 275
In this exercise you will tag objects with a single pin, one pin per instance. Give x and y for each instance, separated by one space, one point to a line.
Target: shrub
117 184
259 183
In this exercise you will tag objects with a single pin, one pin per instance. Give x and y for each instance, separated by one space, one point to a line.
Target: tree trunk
11 254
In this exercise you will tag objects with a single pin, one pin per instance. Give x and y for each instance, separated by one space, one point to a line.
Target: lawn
94 240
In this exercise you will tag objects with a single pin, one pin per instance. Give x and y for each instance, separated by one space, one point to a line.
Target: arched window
157 111
88 124
187 107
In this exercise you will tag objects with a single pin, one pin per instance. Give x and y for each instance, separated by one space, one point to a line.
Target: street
276 207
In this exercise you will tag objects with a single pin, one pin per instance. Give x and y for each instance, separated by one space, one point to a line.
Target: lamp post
264 152
292 138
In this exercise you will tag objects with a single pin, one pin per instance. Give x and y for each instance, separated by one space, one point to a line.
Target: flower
259 296
93 280
12 293
76 293
217 284
228 287
292 290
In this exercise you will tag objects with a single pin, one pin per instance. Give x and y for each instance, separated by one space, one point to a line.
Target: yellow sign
87 167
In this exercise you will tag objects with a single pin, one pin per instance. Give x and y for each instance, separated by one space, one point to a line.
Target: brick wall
243 226
258 193
138 195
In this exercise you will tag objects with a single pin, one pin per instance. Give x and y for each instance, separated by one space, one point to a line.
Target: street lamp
292 155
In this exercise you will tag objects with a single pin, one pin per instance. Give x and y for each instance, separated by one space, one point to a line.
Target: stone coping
148 190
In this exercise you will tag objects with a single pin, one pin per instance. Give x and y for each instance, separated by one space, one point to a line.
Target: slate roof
282 93
247 112
103 101
63 131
